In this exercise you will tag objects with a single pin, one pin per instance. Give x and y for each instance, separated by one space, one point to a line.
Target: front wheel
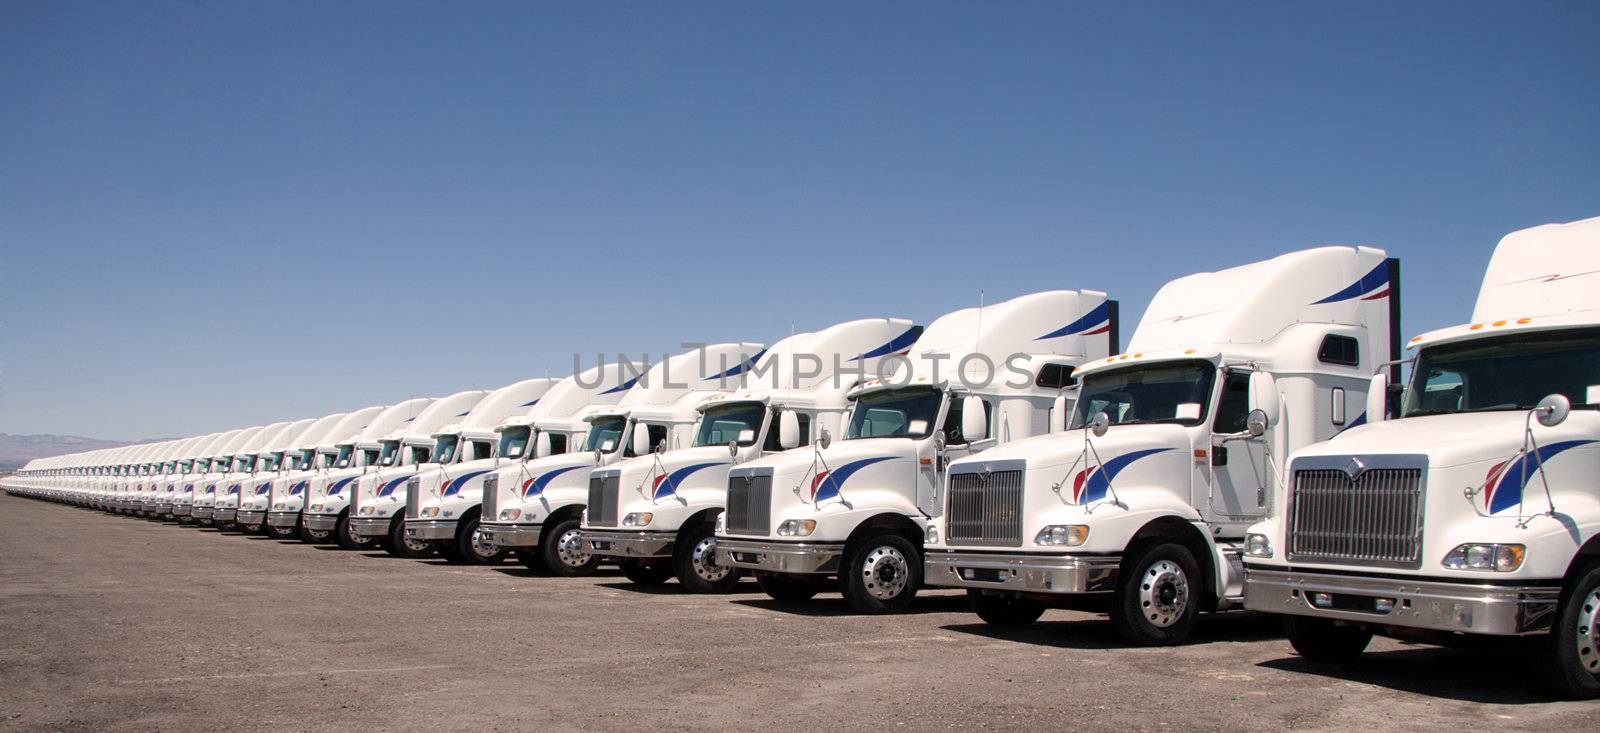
694 561
1573 667
399 545
1007 610
1158 595
347 537
313 536
881 574
1322 640
561 544
471 548
646 575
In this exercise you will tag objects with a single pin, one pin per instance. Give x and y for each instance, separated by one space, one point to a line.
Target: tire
694 561
1572 667
532 559
881 574
561 545
1158 595
1006 610
469 549
313 536
646 575
279 533
1322 640
787 589
345 535
395 543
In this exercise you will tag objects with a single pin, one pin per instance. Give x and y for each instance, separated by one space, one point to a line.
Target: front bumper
622 543
283 519
511 535
370 526
182 510
780 557
1022 572
224 515
321 522
202 512
430 529
1501 610
250 518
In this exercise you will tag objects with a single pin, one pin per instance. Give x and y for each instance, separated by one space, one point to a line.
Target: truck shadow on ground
1500 677
833 604
517 570
672 588
1097 633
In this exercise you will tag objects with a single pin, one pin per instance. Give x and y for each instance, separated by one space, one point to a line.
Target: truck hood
649 479
444 482
524 480
1447 440
824 475
1127 455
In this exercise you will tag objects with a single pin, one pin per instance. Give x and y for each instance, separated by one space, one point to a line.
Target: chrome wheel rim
1588 636
885 573
704 559
482 547
414 545
1163 593
569 548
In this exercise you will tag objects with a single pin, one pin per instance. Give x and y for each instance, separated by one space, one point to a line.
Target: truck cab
1473 512
663 525
226 508
271 462
315 453
172 475
448 491
189 470
1139 506
215 471
852 511
533 499
327 503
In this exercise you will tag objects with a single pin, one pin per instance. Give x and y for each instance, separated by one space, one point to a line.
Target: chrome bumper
617 543
1023 572
430 529
224 515
283 519
780 557
182 510
370 526
202 512
1501 610
321 522
511 535
251 518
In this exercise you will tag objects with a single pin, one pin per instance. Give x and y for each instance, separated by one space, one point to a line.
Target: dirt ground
117 623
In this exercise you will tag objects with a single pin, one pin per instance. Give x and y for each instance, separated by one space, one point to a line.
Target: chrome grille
491 498
413 498
1373 519
985 509
603 500
750 505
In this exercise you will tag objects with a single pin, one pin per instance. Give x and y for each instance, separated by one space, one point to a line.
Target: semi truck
194 466
215 477
225 509
327 503
663 522
1139 507
287 497
1471 514
853 511
270 462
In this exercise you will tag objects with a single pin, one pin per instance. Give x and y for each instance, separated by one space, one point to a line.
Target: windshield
725 424
1165 392
391 450
308 458
514 441
272 462
346 452
1506 373
244 463
605 434
444 449
222 464
895 413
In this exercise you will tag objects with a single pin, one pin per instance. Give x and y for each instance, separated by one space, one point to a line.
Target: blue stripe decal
454 487
298 487
1369 282
389 488
739 368
668 485
1509 485
1099 315
1092 484
625 386
833 480
530 404
339 485
536 486
899 344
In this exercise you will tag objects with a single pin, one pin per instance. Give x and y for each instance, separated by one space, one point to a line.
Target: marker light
637 519
1257 545
430 511
510 514
367 510
1062 535
1482 556
931 535
797 527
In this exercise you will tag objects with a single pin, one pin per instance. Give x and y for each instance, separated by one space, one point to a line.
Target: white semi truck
215 479
287 497
226 507
327 492
1140 507
533 500
1473 513
663 522
444 494
855 509
172 475
270 462
194 467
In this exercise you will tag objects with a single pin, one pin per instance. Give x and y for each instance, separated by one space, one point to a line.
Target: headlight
1062 535
366 510
1257 545
430 511
278 505
510 514
797 527
1476 556
931 534
637 519
316 508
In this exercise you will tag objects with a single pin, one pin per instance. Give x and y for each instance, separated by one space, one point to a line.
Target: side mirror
1099 424
541 445
788 429
825 440
641 439
1552 410
1061 408
1256 423
1264 393
974 419
1378 398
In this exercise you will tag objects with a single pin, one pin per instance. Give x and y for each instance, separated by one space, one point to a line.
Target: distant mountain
16 450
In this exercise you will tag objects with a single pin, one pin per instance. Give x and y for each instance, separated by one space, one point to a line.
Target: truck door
1239 474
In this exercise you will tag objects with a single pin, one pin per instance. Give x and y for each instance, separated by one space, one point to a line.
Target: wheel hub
482 547
885 573
415 545
1588 636
1163 593
569 547
704 560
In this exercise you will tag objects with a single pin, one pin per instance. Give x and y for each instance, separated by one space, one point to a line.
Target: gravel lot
120 623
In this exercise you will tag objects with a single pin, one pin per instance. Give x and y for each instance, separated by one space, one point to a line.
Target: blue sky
223 214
